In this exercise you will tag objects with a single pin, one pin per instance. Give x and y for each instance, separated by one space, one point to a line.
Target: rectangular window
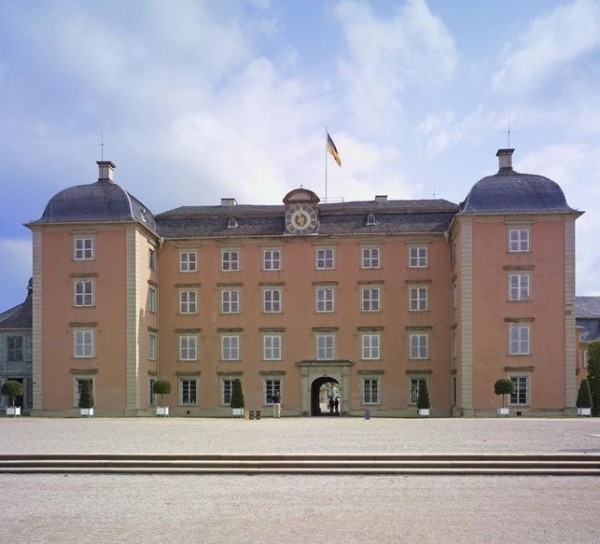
230 260
230 301
151 394
84 292
417 257
226 390
83 343
152 345
325 259
188 391
325 347
518 240
370 257
370 346
520 394
272 259
415 384
188 347
370 299
187 302
325 299
272 347
14 348
151 258
271 386
419 346
188 261
418 299
518 286
230 348
519 341
83 249
152 300
370 391
79 386
272 300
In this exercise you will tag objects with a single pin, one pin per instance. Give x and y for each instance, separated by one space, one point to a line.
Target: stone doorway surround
337 370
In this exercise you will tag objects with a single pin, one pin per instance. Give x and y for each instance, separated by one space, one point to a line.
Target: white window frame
77 385
271 259
519 339
151 395
272 297
324 300
83 343
370 257
84 292
371 391
521 392
188 391
230 347
151 258
418 346
272 346
325 347
230 260
83 248
188 301
370 298
188 261
414 384
519 286
418 257
152 346
15 348
371 346
519 240
230 301
226 390
418 299
325 258
270 386
188 347
152 300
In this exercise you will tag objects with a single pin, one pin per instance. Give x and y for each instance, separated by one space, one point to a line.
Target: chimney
228 203
380 199
505 159
106 170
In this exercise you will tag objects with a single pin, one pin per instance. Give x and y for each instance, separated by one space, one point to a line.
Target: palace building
364 300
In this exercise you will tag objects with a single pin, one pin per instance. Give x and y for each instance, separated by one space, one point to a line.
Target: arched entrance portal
320 391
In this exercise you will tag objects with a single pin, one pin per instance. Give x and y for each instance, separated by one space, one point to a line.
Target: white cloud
550 44
385 56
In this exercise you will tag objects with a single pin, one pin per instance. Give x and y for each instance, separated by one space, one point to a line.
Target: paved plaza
74 508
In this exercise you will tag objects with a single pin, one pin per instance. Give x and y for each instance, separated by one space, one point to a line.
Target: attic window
232 222
371 219
143 214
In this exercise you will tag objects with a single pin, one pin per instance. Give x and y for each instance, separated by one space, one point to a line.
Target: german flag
332 150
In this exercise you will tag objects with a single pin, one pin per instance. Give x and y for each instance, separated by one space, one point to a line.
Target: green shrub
161 388
504 386
584 399
13 390
237 395
86 397
423 399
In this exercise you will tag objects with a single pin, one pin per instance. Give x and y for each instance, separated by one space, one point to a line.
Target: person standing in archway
276 404
336 406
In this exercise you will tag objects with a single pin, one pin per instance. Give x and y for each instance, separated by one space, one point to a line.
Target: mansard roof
393 216
20 316
587 316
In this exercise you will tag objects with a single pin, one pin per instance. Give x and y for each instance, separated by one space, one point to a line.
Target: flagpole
326 133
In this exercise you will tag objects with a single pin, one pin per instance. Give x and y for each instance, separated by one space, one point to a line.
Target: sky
195 100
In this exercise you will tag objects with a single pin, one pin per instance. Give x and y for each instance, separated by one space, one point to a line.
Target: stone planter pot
162 411
584 411
86 412
237 412
503 412
423 412
14 411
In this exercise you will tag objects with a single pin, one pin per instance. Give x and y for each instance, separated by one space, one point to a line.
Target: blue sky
199 100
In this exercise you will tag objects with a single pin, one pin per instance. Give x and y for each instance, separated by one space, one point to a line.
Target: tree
86 396
423 398
593 375
161 388
584 399
13 390
504 386
237 395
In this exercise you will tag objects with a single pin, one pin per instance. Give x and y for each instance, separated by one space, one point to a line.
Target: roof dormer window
371 219
232 223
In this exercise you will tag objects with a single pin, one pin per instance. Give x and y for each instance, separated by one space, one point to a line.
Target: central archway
319 392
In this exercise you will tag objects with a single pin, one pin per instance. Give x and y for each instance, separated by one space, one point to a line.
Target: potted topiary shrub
161 388
503 386
584 399
237 398
86 399
423 403
13 390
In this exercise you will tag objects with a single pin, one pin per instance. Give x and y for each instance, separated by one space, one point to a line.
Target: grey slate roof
511 192
19 317
395 216
587 316
96 202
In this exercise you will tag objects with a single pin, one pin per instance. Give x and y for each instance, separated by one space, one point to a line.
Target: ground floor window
152 396
520 394
370 391
188 391
226 390
78 385
271 386
415 385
